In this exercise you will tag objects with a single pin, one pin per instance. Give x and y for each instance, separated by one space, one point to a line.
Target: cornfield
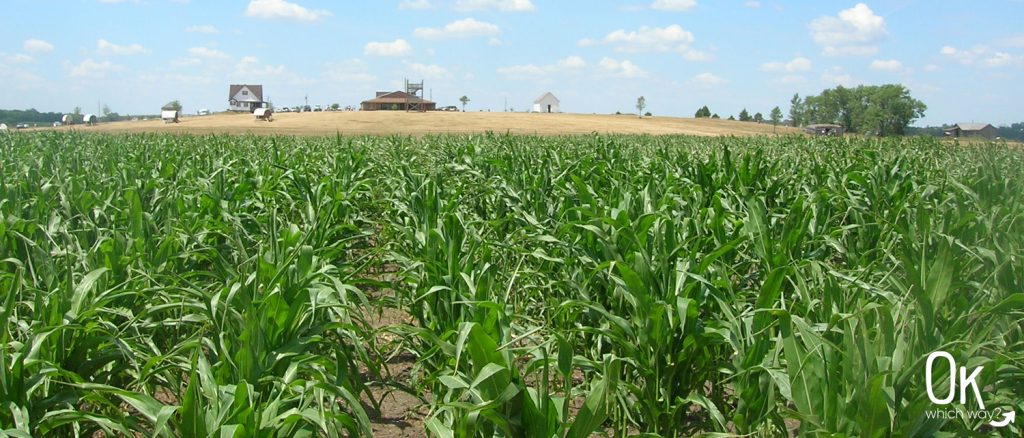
228 286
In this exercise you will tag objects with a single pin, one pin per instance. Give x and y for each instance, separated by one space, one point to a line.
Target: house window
245 92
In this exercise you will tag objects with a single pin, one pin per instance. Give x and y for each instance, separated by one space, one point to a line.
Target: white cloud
250 66
795 65
622 69
1012 41
33 45
414 4
1002 59
108 48
932 67
397 47
571 63
280 9
982 53
890 65
206 52
206 28
691 54
500 5
854 31
707 79
92 69
350 71
752 4
465 28
673 5
428 71
645 38
836 76
792 79
19 58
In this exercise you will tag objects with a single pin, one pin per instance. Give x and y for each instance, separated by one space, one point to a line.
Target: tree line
879 110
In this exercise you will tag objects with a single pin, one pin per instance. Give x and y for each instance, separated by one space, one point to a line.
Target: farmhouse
546 103
824 129
245 97
983 130
395 101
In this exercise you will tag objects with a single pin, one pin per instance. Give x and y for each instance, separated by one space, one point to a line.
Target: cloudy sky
965 60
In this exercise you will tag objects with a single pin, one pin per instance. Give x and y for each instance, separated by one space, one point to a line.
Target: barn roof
972 126
546 94
168 107
257 91
395 97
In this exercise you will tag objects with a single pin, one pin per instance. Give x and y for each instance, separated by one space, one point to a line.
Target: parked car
21 126
450 108
57 124
306 109
285 110
317 109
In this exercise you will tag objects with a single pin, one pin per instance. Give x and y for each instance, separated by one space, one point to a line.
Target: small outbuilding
3 126
967 130
826 129
68 119
170 116
546 103
90 119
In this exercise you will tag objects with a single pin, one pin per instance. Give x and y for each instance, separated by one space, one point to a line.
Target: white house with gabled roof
245 97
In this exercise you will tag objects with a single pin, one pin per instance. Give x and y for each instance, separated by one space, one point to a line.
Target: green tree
775 116
731 117
796 110
880 110
703 112
758 117
744 116
176 105
641 103
715 116
77 111
464 101
335 106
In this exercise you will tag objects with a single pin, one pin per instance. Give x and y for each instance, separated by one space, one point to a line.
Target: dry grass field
388 123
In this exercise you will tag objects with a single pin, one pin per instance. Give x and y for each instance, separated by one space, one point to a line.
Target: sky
964 60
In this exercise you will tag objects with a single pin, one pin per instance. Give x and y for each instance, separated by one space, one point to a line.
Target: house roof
257 92
971 126
168 107
395 97
546 94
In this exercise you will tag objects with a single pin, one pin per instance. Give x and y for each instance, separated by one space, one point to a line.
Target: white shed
169 116
3 126
546 103
90 119
68 119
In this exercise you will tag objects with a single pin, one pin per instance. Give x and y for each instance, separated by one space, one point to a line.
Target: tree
776 116
77 111
464 101
703 112
176 105
105 111
744 115
641 103
867 109
335 106
731 117
796 110
715 116
758 117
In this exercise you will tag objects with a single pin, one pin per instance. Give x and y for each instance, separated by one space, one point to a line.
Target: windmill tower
414 96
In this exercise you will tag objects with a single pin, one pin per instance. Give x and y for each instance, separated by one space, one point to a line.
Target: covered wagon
265 114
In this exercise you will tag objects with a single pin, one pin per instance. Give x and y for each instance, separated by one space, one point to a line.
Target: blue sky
965 60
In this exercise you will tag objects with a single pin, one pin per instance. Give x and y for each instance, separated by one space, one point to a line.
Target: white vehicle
203 112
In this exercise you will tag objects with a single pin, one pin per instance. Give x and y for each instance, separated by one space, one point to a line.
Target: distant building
546 103
825 129
245 97
395 101
983 130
